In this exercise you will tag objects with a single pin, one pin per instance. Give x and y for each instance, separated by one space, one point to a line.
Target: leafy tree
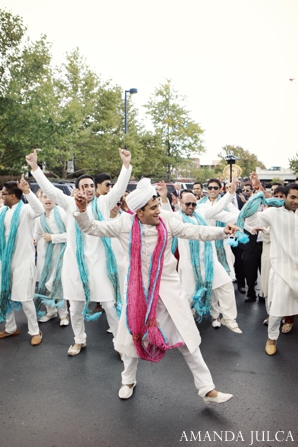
293 163
247 161
178 134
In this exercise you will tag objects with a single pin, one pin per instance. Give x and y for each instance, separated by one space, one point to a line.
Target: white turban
141 195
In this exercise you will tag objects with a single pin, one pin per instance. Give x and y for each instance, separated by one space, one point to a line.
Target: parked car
66 187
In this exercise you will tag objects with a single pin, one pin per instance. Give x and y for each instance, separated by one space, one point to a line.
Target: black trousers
251 266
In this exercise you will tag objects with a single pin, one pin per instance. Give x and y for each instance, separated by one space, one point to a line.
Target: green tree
178 135
247 160
293 163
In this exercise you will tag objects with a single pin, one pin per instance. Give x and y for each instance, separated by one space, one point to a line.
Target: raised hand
23 185
162 189
80 199
32 160
125 157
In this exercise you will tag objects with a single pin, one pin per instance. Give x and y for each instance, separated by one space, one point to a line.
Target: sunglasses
108 184
246 190
194 204
119 203
216 188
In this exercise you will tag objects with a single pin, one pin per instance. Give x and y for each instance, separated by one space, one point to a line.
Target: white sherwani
171 294
23 259
57 239
100 286
229 216
284 259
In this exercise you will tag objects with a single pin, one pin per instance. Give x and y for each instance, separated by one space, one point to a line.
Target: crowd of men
155 263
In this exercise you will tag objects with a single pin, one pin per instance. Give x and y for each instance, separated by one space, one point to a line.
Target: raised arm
120 186
50 190
36 208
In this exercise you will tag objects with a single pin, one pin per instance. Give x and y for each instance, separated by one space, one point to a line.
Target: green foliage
247 161
293 163
178 135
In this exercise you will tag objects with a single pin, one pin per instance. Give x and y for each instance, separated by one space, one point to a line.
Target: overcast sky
232 59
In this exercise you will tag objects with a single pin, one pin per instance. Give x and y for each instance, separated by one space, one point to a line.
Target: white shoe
76 349
126 392
47 318
216 323
64 321
232 325
219 399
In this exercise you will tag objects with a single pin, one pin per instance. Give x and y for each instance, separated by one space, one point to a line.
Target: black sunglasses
108 184
194 204
216 188
246 190
119 203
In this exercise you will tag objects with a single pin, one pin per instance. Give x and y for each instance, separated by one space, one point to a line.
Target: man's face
247 190
273 188
7 198
150 215
48 204
197 190
87 185
188 203
213 190
291 200
103 188
114 211
278 195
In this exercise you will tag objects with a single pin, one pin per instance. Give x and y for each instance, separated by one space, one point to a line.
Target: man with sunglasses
80 284
222 287
17 256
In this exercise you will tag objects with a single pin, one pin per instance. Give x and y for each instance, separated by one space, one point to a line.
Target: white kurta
170 291
101 288
284 258
57 239
23 259
228 216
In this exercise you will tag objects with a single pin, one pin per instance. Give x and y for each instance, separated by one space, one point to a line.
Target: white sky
232 59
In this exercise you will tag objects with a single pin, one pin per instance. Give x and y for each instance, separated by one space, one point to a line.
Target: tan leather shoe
270 349
5 334
36 339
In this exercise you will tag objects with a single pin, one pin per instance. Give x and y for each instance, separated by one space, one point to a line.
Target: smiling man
89 271
157 316
283 279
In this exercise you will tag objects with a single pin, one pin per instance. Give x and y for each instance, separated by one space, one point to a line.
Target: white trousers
62 311
77 319
225 296
273 327
202 376
30 312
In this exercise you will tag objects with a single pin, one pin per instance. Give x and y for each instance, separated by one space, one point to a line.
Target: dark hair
278 189
12 188
185 191
249 184
289 187
198 183
276 183
214 180
100 178
77 182
152 198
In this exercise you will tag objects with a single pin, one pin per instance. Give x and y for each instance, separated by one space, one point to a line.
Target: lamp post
132 91
230 159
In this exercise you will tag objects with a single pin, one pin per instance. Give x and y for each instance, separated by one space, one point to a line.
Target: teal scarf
6 253
55 297
250 208
203 289
111 266
219 244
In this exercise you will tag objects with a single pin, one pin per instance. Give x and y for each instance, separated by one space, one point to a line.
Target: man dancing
156 316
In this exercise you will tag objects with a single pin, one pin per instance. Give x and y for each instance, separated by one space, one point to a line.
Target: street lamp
132 91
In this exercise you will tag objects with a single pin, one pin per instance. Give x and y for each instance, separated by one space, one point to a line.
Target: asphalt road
48 399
